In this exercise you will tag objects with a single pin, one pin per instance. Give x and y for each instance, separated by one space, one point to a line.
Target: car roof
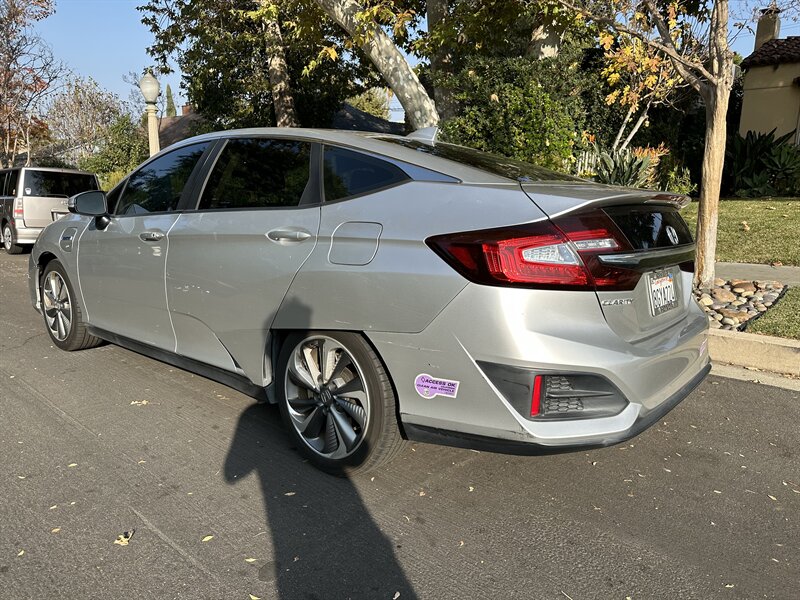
365 141
58 170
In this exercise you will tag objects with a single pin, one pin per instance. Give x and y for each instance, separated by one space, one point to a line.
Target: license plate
661 285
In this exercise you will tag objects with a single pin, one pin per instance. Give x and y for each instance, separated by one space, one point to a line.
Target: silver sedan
381 288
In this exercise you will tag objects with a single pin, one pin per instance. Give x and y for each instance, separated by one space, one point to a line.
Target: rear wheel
10 240
62 312
337 401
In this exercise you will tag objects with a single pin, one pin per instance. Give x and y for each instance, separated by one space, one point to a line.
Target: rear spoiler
679 201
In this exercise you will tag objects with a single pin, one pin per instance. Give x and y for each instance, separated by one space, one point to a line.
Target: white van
33 197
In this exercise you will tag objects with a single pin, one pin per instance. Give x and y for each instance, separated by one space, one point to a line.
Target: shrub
504 109
622 167
759 164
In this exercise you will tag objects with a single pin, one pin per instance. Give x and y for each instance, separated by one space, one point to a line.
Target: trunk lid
661 251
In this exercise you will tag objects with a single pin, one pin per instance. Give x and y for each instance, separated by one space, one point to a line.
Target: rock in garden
723 295
719 282
706 300
728 321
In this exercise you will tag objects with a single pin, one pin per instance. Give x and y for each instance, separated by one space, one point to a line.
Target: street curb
777 355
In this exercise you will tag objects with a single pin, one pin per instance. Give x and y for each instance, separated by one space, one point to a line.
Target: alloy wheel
7 237
57 305
327 398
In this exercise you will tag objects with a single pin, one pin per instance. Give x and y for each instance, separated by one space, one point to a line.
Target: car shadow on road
325 543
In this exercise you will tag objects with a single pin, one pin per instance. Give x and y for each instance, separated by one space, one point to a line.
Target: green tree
122 148
374 101
225 58
170 111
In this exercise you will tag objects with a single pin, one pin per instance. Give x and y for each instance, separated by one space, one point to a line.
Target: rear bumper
432 435
540 331
27 235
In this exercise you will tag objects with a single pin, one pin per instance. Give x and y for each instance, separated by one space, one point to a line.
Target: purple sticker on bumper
429 387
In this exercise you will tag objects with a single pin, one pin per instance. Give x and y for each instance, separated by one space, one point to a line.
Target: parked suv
33 197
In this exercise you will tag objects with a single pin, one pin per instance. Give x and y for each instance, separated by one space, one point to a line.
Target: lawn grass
773 235
782 319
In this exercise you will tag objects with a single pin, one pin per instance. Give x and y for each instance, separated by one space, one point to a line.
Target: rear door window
348 173
157 186
53 184
258 173
11 182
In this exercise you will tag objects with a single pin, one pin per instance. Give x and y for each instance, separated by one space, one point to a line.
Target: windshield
54 183
492 163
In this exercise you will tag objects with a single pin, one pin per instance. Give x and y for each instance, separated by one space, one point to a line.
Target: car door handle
288 235
151 236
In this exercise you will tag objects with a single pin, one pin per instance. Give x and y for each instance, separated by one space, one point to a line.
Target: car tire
63 316
337 401
10 240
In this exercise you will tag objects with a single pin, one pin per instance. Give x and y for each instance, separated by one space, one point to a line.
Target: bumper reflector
539 396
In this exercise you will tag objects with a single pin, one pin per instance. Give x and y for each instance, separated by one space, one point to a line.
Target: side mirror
92 204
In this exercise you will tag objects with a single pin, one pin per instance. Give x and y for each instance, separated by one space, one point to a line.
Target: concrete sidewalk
732 270
755 351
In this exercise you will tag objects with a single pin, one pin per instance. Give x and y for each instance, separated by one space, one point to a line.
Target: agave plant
622 167
760 164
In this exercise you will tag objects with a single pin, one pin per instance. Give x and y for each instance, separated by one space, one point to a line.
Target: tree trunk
716 95
441 62
282 99
388 60
544 43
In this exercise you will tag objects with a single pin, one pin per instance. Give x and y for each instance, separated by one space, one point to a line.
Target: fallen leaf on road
773 498
21 552
253 597
72 465
396 596
471 489
717 492
461 543
54 506
20 476
290 493
55 530
422 493
139 402
250 560
730 585
124 538
208 538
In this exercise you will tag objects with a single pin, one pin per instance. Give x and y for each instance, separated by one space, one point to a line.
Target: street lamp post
150 90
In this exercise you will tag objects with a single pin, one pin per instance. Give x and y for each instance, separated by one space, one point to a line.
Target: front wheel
337 401
62 312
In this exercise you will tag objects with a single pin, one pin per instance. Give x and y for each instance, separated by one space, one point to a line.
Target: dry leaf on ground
124 538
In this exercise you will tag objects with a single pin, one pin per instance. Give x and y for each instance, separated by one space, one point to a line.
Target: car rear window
649 227
349 173
485 161
56 184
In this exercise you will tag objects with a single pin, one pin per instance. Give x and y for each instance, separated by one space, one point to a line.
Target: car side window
258 173
11 182
348 173
157 186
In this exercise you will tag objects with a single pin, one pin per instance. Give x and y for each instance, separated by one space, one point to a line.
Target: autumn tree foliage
28 71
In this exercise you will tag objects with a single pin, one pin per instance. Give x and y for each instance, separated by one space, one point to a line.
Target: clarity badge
429 387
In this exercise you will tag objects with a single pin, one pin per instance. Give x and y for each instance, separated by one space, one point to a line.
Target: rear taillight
562 253
19 212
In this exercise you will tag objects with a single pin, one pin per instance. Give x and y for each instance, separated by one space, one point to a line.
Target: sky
103 39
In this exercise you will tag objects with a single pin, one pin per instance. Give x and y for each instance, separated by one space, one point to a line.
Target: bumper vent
561 396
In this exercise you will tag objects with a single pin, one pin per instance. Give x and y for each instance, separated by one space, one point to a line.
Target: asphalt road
706 504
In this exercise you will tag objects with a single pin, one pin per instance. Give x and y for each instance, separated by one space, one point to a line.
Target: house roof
775 52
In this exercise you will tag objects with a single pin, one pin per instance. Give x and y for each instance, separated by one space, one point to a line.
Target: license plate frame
662 294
